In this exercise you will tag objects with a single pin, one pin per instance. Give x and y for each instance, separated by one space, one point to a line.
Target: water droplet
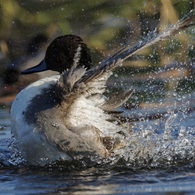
55 125
182 131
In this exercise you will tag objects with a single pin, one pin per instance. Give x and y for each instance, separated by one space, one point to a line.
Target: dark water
160 159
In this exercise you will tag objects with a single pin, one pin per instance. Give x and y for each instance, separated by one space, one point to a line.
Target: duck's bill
38 68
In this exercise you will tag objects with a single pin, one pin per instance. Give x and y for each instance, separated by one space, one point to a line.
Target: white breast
33 146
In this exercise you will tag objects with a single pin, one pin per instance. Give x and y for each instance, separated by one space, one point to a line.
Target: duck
66 116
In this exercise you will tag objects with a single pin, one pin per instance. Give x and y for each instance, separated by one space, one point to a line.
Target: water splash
149 147
162 142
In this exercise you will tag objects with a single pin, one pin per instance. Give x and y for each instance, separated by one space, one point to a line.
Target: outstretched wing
120 56
95 78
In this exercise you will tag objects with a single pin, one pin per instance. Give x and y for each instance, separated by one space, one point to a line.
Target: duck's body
66 116
76 124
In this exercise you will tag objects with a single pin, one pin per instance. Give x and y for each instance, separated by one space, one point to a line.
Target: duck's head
61 54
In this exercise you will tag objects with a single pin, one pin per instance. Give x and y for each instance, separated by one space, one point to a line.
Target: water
158 158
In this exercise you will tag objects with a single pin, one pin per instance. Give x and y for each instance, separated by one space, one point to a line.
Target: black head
60 55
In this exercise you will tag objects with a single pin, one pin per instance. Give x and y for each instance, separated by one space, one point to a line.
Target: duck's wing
96 77
120 56
93 81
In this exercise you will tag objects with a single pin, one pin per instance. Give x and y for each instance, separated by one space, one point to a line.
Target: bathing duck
66 116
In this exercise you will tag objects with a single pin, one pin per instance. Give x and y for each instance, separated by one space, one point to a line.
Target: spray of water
160 143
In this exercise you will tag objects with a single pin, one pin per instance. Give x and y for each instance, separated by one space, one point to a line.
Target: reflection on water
158 157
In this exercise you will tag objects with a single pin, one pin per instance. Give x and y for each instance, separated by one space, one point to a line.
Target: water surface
159 159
